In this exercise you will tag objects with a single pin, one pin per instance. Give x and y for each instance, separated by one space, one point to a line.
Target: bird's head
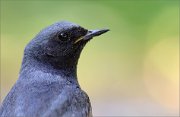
60 44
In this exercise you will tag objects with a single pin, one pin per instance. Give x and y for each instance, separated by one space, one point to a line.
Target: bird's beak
92 33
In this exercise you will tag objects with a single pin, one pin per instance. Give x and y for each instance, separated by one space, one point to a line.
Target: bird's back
46 98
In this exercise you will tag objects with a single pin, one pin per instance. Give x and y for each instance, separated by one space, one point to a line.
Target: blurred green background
132 70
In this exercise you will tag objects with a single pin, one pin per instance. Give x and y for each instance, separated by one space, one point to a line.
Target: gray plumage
47 84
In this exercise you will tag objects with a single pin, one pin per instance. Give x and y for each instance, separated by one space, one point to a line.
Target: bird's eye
63 37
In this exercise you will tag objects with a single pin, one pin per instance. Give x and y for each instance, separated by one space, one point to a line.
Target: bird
48 85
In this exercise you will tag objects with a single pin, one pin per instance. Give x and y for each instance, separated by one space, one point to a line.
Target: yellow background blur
132 70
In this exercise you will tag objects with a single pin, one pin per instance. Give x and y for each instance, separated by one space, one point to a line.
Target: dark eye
63 37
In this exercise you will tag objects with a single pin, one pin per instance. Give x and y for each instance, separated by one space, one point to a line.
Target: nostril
49 55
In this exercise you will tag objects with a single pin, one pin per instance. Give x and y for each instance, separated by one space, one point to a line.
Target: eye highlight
63 37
